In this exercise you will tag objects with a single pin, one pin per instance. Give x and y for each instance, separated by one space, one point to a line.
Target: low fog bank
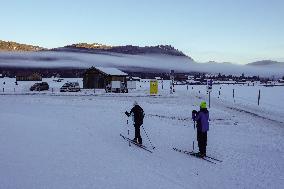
138 63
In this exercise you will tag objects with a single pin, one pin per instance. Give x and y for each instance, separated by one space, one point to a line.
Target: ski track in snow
72 141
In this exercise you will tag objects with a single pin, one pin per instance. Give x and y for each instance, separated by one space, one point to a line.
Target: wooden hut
102 78
29 77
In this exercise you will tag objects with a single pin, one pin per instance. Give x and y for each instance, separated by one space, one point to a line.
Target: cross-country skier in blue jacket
202 119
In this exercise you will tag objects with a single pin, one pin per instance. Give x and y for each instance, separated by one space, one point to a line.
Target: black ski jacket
138 114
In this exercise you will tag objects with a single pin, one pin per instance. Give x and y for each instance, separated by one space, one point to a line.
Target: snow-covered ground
71 140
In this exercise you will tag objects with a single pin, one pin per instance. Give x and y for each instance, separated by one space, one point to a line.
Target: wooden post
233 93
187 86
3 90
258 99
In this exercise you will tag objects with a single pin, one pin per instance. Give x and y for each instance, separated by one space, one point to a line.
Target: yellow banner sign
153 87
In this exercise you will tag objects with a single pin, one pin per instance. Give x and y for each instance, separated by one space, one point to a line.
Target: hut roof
111 71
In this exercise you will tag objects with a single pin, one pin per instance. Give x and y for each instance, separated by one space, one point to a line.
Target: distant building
158 78
105 78
134 78
190 77
181 77
28 77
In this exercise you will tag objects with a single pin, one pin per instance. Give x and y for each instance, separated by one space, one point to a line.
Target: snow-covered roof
111 71
136 78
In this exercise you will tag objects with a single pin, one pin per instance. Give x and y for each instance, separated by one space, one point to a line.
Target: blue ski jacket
202 119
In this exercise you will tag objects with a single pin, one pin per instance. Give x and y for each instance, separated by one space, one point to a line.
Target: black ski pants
202 141
137 132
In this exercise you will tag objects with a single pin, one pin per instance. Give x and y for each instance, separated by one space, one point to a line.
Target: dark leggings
137 132
202 141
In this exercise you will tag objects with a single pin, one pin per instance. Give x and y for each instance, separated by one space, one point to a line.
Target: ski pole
128 131
193 115
148 137
193 138
127 127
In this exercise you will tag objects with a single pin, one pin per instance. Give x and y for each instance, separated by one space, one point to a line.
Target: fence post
3 90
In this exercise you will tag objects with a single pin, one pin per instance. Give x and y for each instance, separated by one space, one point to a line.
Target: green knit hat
203 105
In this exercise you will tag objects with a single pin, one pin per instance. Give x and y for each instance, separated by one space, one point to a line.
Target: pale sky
238 31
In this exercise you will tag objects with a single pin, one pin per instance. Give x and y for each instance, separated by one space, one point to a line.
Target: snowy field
71 140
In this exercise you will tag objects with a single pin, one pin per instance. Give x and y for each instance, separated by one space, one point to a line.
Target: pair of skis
135 143
206 158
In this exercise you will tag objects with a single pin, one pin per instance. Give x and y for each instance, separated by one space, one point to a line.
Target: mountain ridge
97 48
264 63
127 49
94 48
15 47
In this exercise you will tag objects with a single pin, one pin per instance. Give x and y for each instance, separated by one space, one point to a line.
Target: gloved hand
126 113
193 115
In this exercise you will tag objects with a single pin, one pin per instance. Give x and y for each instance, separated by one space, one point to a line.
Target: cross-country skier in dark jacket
202 119
138 116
